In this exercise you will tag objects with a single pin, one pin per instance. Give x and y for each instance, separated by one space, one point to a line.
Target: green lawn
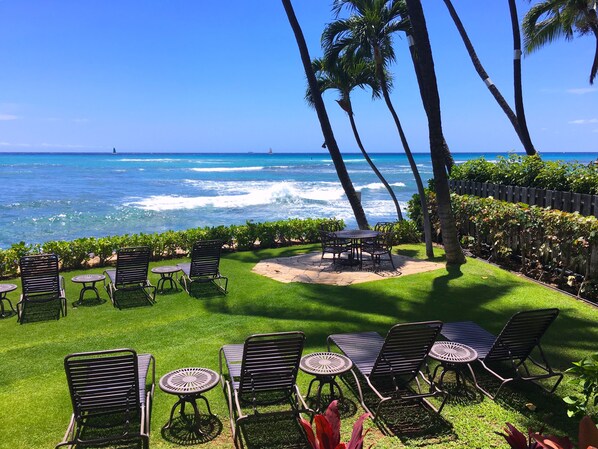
183 331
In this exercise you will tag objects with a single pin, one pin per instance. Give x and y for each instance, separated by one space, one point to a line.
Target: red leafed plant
588 438
328 430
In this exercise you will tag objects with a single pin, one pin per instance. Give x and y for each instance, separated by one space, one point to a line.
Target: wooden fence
583 203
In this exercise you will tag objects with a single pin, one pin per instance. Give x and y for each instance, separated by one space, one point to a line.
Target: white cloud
582 91
8 144
60 145
6 117
595 131
80 120
583 121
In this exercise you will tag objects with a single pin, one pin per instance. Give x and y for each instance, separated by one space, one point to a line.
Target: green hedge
530 171
554 246
78 253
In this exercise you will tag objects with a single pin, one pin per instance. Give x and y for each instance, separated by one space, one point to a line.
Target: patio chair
395 361
130 274
112 395
262 372
514 345
378 248
41 285
204 266
333 245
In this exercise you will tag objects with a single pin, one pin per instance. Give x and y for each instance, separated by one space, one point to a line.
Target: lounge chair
262 371
514 345
204 265
130 274
111 396
397 360
41 284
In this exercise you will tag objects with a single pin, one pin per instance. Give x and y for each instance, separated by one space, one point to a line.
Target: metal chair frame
396 361
204 266
132 265
269 363
515 343
106 383
40 283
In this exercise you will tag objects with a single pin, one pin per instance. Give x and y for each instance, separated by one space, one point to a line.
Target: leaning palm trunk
348 108
450 238
484 76
448 157
416 175
518 89
331 145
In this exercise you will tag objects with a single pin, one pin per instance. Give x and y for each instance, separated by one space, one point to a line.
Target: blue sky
206 76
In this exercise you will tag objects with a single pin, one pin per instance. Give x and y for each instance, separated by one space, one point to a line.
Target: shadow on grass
273 432
412 421
201 290
181 430
35 312
130 299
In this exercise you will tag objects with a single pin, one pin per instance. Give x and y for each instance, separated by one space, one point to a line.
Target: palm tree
330 141
517 85
345 74
450 238
552 19
525 140
367 34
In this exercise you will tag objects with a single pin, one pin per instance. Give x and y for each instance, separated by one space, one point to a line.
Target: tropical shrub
585 374
530 171
328 430
588 438
81 252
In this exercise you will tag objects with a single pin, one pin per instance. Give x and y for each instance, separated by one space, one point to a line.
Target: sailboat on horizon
270 151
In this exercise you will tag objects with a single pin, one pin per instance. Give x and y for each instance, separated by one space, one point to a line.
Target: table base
192 424
3 312
460 378
332 383
166 277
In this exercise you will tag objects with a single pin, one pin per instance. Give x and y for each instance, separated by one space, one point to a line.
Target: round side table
89 284
454 357
4 289
325 366
166 275
189 384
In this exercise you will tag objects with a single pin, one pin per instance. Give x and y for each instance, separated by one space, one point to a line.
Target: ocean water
65 196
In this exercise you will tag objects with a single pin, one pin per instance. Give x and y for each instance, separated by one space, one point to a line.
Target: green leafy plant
328 426
588 438
585 374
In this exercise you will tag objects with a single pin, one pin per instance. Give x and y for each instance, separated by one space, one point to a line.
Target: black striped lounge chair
41 286
260 372
513 345
396 360
132 265
204 266
111 394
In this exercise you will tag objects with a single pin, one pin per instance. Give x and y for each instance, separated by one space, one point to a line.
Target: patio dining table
356 238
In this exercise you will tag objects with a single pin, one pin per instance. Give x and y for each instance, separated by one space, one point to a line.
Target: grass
183 331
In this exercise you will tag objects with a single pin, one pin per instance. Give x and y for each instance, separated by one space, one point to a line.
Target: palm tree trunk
484 76
366 156
449 161
595 64
416 175
518 89
331 145
450 237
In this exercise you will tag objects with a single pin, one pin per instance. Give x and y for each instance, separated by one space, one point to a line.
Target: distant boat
113 150
270 151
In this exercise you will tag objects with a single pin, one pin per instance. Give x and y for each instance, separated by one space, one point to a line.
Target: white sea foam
225 169
147 160
379 185
275 193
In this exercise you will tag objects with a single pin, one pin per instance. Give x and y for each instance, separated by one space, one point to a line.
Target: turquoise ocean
65 196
